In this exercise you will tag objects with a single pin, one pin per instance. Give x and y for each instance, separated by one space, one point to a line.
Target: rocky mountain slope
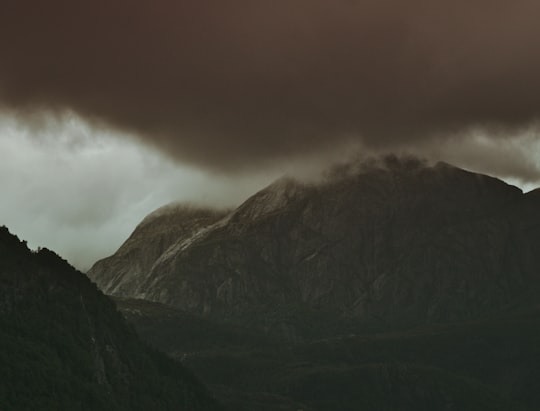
128 268
65 346
390 243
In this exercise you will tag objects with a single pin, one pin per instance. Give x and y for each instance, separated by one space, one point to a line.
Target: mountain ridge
395 241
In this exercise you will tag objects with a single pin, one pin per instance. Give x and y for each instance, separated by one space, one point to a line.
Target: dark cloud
240 83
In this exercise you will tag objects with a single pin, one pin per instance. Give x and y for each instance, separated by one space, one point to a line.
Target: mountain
396 242
66 347
392 285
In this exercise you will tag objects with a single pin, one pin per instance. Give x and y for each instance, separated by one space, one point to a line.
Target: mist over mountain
392 242
156 233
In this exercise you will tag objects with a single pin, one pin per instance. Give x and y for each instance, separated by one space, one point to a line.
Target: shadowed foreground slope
65 347
479 365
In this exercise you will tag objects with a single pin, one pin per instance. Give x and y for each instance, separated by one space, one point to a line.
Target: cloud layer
81 192
230 85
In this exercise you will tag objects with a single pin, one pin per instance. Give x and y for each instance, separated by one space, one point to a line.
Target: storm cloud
230 85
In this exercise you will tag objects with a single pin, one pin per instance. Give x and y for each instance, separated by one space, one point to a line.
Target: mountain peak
180 211
160 230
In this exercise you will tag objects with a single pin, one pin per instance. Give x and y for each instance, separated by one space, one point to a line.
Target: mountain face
387 286
65 346
396 242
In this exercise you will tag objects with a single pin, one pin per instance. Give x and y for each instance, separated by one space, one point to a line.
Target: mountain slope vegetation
65 346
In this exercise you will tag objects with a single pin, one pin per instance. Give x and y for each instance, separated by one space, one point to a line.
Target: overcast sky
81 191
111 108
